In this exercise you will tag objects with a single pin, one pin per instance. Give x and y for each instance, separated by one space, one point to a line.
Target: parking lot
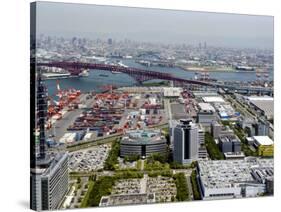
90 159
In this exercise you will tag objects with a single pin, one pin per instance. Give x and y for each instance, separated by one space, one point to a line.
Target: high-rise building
48 175
185 142
109 41
49 183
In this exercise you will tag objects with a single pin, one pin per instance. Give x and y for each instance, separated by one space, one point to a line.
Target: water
94 81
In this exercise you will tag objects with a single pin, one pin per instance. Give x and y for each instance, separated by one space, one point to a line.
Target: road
60 126
239 106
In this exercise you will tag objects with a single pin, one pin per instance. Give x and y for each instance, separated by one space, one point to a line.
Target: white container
88 136
142 111
142 117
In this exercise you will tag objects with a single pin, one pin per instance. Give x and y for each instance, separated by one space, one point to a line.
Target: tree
182 187
78 180
195 187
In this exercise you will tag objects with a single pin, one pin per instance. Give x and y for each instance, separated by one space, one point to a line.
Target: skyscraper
109 41
185 142
48 175
49 183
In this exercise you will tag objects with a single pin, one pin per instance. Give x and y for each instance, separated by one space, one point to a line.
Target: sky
154 25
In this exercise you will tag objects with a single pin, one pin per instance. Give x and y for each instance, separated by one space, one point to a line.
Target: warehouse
172 92
213 99
206 106
265 104
264 145
233 178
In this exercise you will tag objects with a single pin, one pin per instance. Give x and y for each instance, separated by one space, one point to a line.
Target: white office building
49 183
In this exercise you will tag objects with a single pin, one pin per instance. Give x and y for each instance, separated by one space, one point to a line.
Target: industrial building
264 145
235 178
261 128
264 104
216 129
185 142
229 143
206 107
213 99
225 111
172 91
209 93
233 155
142 143
206 117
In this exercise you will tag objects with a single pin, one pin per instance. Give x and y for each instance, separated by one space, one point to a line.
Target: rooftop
260 98
206 106
213 99
263 140
143 136
231 173
229 138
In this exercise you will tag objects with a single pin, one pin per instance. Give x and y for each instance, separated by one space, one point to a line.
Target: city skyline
173 26
141 106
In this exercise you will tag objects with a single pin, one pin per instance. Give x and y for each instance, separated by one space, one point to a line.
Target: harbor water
98 78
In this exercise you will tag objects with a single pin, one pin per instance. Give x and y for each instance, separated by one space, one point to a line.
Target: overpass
140 75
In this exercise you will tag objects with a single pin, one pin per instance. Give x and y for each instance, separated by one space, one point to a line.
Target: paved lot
178 111
90 159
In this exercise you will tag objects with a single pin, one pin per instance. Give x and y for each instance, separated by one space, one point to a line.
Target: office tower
185 142
48 175
49 184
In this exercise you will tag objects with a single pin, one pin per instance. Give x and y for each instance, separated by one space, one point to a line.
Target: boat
84 73
116 72
50 75
122 64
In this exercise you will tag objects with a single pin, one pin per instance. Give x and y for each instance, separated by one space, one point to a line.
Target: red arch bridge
140 75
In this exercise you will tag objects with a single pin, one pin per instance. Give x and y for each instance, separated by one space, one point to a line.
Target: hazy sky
166 26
